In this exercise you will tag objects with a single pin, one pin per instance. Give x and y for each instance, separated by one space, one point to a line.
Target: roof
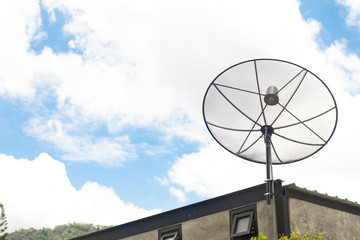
293 191
193 211
223 203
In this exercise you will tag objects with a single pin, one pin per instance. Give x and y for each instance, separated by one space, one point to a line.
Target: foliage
3 222
293 236
61 232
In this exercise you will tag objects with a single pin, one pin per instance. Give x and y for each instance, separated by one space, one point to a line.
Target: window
170 236
170 233
243 223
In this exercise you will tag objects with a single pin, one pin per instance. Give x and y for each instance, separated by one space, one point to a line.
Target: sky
101 102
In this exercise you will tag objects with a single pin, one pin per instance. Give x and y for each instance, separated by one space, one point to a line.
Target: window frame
170 231
171 234
239 213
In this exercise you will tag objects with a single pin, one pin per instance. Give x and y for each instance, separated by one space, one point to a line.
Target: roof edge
293 191
214 205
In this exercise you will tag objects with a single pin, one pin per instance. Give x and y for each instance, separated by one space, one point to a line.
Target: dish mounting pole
270 188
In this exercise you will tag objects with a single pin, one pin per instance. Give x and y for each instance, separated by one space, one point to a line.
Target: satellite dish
270 100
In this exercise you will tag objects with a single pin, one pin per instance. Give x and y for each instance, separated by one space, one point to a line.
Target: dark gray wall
313 218
215 226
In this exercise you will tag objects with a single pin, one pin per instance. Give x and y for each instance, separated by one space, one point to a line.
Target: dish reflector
290 99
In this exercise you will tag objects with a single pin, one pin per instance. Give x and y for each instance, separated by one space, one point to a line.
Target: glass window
242 224
171 236
170 233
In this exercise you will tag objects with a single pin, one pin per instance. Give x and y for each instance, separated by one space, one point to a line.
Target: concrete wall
265 218
153 235
215 226
212 227
312 218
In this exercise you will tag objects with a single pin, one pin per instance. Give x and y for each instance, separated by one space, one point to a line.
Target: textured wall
215 226
212 227
265 218
153 235
312 218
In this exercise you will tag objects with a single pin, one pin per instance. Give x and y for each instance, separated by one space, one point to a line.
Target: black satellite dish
272 101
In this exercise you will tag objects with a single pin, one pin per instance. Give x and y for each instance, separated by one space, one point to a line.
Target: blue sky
55 37
332 16
104 102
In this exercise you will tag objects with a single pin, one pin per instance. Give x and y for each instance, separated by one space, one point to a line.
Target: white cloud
150 66
163 181
16 70
77 146
346 65
39 194
353 7
143 49
179 194
213 171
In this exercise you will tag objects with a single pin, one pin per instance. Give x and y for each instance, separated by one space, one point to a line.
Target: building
243 214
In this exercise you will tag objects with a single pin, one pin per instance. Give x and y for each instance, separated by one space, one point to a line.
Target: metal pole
267 131
274 204
268 162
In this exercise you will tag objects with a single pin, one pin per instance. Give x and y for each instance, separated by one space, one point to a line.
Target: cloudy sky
101 102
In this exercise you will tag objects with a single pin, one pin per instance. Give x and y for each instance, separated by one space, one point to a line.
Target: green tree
293 236
61 232
3 222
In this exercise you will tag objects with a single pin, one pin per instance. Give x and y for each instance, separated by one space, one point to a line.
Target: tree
293 236
61 232
3 222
